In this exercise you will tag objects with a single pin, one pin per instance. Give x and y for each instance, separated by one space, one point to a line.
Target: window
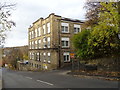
32 34
44 39
76 28
48 27
64 27
66 57
38 56
39 31
37 66
44 42
32 44
30 55
36 44
44 54
44 57
35 32
39 43
65 42
32 64
29 45
48 54
48 41
48 57
44 31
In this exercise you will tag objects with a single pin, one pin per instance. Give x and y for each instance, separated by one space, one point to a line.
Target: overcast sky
28 11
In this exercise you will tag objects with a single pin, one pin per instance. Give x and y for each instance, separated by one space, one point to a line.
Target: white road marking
45 82
29 77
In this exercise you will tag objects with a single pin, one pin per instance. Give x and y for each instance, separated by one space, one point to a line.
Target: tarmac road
51 79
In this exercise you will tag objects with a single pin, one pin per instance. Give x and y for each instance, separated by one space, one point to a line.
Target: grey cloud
28 11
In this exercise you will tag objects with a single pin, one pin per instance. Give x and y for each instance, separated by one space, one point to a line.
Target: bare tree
5 23
92 13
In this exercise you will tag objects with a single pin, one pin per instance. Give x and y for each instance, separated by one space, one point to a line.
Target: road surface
0 78
51 79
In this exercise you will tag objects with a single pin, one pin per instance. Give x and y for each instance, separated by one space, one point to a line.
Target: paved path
51 79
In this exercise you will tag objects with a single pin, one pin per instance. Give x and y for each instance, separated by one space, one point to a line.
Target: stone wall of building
57 52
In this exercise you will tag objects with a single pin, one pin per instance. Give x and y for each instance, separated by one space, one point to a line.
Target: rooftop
62 18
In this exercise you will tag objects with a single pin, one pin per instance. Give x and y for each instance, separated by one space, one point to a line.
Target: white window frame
32 34
49 54
48 27
36 32
44 54
30 55
64 40
44 29
66 54
38 56
36 44
48 42
32 44
44 60
39 43
44 42
64 25
44 39
39 31
76 30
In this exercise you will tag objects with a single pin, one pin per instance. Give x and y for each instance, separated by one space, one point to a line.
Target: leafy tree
80 42
15 54
5 23
101 40
24 52
104 36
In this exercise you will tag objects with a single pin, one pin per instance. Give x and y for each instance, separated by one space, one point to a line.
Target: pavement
51 79
88 75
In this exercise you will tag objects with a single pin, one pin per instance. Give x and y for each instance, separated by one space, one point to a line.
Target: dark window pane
63 43
78 29
64 58
62 28
66 43
67 57
74 29
66 29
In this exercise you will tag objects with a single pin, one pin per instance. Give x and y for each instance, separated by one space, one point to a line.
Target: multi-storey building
50 41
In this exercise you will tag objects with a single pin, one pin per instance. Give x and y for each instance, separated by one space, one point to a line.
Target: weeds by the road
107 75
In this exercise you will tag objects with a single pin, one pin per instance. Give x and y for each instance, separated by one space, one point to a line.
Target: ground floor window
36 66
31 64
32 56
48 57
66 57
38 56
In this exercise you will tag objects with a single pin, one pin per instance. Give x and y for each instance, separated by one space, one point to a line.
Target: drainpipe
59 43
